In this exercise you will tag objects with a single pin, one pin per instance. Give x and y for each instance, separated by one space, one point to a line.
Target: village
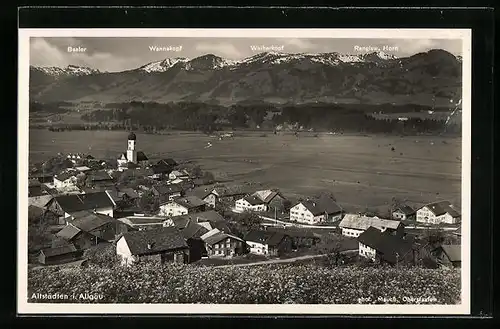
164 211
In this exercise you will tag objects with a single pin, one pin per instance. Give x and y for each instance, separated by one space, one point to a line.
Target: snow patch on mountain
70 70
163 65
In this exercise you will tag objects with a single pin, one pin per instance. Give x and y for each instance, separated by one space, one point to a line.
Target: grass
361 171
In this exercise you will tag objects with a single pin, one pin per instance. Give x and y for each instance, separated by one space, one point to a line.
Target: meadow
362 171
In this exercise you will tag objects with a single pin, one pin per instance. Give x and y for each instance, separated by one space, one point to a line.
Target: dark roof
161 169
65 175
77 202
100 175
169 161
253 200
265 237
231 190
117 194
51 252
68 232
131 136
193 230
201 193
88 221
159 240
211 216
219 236
453 252
389 246
322 205
293 232
266 195
190 202
442 207
141 156
168 189
406 209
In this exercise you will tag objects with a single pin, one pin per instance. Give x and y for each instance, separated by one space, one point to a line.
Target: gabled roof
361 222
271 238
190 202
201 193
453 252
266 196
118 194
65 175
168 161
141 156
168 189
88 221
217 237
77 202
390 247
51 252
68 232
161 169
405 209
443 207
253 200
154 241
322 205
193 230
231 190
97 176
180 173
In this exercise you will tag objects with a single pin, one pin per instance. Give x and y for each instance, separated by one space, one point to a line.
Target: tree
331 246
148 202
248 221
208 177
39 236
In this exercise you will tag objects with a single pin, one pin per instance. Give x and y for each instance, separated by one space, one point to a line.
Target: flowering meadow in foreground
268 284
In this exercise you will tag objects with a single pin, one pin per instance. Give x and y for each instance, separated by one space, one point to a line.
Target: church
132 158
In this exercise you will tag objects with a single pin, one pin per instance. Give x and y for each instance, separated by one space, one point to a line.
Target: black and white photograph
203 171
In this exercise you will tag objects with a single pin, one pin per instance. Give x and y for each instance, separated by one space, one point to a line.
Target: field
362 171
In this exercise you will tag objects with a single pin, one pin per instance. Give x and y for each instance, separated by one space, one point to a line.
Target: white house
182 206
438 212
379 246
250 203
65 180
352 225
316 211
178 174
403 212
206 195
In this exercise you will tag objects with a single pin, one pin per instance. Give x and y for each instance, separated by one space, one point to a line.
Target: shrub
265 284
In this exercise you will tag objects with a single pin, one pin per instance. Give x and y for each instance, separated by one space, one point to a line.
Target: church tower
131 151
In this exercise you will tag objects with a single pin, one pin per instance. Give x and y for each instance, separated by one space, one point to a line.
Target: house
39 201
122 196
384 247
59 255
403 212
34 188
250 203
230 192
192 234
448 255
178 174
206 195
168 162
313 211
163 244
220 244
301 238
273 199
167 192
65 205
101 227
64 180
100 179
352 225
80 239
268 243
160 171
438 212
182 206
209 219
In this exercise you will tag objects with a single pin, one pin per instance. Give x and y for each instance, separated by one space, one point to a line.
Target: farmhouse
220 244
65 205
404 212
192 234
250 203
182 206
59 255
65 180
132 155
313 211
168 162
167 192
301 238
160 171
206 195
268 243
178 174
122 195
101 227
438 212
385 248
353 225
164 244
448 255
230 192
100 179
80 239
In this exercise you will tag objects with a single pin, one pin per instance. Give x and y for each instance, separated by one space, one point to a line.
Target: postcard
255 171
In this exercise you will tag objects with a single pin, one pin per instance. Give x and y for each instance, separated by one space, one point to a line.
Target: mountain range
426 78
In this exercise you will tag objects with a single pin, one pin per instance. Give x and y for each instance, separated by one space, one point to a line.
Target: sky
120 53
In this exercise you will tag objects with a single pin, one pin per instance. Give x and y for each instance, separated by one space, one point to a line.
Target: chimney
150 245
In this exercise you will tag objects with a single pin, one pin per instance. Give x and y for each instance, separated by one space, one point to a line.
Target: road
281 261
